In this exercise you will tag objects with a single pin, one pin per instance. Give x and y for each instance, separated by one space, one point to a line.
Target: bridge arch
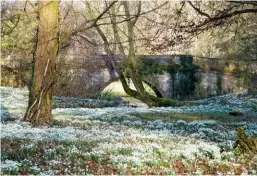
116 84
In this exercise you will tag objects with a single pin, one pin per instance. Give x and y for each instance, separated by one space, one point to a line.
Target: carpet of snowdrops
110 138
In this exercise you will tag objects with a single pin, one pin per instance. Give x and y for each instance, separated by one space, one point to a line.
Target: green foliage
110 95
21 41
245 77
125 151
98 102
17 47
4 156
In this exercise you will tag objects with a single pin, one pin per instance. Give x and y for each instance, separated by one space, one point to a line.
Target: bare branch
254 3
12 28
229 15
89 41
198 10
80 29
138 12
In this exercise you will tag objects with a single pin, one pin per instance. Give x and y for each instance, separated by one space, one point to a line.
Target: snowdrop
24 146
10 166
113 129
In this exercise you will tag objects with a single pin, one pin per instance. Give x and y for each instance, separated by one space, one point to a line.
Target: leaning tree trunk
40 95
131 64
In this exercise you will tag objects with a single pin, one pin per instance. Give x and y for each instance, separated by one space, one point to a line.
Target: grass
222 117
110 95
115 92
131 99
117 89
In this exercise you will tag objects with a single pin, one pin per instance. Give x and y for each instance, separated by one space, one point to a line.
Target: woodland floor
109 137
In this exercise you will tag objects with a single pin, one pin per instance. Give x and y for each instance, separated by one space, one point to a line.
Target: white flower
74 150
10 165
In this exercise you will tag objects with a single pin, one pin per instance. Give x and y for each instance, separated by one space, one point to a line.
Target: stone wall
201 77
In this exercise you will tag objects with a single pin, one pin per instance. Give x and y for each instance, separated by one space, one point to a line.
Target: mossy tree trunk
131 65
244 143
40 95
130 62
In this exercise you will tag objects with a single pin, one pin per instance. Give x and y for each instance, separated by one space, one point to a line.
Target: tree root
245 144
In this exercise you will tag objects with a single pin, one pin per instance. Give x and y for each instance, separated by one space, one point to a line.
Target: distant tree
16 55
237 41
215 14
193 18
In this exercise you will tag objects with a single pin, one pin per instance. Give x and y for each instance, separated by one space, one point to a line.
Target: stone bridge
181 76
172 76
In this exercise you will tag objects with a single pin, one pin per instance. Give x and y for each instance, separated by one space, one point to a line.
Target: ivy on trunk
40 95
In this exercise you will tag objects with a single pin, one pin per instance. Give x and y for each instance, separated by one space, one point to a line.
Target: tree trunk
131 65
245 144
40 95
